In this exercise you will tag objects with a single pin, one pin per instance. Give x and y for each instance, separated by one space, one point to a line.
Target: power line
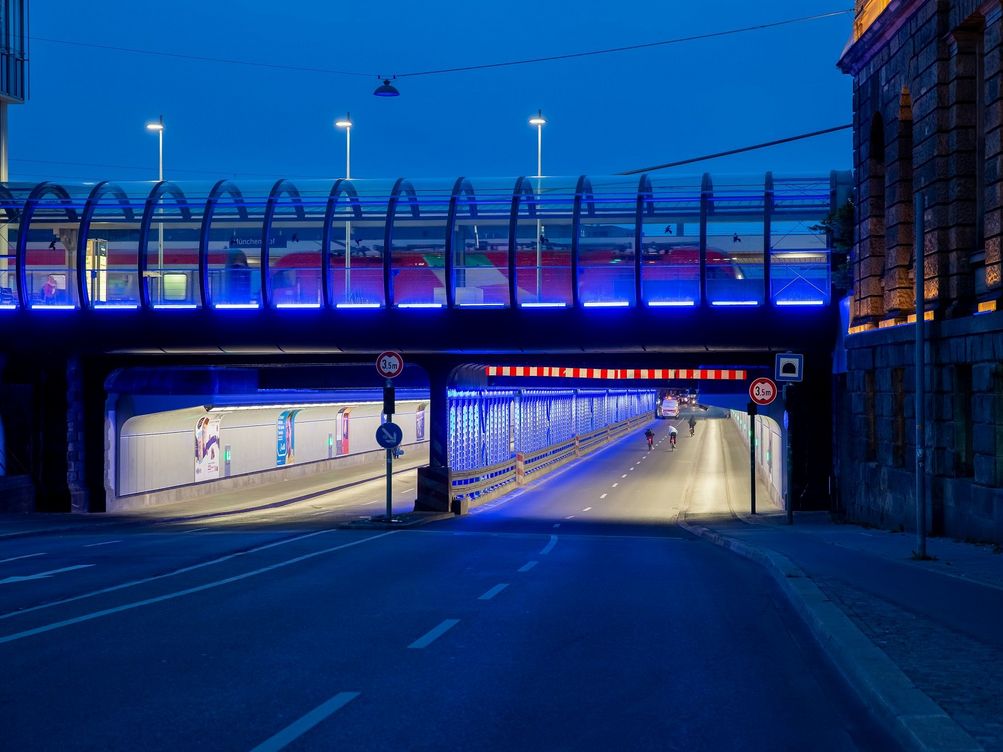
626 48
438 71
764 145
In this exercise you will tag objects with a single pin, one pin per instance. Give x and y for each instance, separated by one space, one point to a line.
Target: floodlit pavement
573 614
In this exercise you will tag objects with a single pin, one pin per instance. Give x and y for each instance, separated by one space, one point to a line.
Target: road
571 615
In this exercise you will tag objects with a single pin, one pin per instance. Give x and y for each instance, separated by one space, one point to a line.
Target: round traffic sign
389 364
389 435
762 391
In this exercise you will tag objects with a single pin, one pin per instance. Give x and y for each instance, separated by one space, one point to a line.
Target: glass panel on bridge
734 256
358 223
670 241
418 244
172 246
799 246
543 243
112 254
294 244
51 257
234 247
606 243
480 243
11 203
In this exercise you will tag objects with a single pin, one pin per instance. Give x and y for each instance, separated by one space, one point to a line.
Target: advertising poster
285 438
419 423
207 448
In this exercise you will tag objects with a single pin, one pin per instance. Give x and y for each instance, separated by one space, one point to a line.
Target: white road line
176 572
528 565
434 634
557 524
550 546
194 530
570 517
631 469
26 556
603 497
179 593
493 592
615 484
624 475
42 575
586 509
296 729
102 543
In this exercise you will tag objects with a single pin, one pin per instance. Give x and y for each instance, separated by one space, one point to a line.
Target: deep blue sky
606 113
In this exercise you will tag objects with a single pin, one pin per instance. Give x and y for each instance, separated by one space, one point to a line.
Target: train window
175 286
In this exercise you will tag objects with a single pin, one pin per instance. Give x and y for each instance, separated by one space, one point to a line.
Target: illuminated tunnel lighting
607 304
419 305
116 307
176 306
734 302
358 305
8 307
54 308
480 305
289 406
298 305
543 305
236 306
801 302
671 303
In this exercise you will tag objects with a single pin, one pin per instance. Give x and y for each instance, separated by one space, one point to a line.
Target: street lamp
346 123
159 128
539 121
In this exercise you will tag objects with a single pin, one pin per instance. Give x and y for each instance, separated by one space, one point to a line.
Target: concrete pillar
433 494
85 436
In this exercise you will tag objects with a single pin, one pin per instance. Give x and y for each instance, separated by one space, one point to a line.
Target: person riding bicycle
693 425
650 436
672 436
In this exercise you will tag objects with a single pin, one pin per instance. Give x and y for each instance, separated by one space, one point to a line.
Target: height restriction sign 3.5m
762 391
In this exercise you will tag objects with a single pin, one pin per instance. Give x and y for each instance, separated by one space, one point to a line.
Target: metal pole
752 456
390 481
160 225
348 224
788 464
348 153
919 273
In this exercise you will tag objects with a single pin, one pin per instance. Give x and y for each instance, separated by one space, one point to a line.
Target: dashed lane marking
433 634
493 592
296 729
550 546
615 485
623 476
557 525
528 565
102 543
603 497
586 509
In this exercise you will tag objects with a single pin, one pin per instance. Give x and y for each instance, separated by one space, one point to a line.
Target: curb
408 519
908 713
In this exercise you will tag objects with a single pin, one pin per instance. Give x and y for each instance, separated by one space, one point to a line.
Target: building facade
927 121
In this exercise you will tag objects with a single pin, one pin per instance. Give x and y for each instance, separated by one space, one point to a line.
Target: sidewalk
268 496
937 626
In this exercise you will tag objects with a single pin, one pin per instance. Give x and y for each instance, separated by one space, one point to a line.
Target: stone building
927 120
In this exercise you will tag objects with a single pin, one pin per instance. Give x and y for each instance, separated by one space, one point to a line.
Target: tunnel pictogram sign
790 367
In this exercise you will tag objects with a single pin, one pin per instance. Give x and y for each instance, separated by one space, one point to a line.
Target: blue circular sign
389 435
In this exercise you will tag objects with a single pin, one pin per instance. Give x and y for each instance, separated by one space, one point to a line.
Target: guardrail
474 487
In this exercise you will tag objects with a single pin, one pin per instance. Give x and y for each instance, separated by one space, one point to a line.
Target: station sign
389 364
762 391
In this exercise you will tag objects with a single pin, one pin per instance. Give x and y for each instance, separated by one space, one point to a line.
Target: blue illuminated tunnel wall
490 426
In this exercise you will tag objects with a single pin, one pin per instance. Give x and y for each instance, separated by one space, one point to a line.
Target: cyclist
693 425
650 436
672 437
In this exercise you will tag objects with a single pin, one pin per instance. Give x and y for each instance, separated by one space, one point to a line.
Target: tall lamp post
539 121
346 123
159 128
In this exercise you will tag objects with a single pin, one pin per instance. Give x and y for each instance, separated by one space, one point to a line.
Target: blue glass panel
606 243
480 244
670 243
359 225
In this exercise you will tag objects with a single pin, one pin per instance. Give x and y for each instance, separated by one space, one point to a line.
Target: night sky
88 107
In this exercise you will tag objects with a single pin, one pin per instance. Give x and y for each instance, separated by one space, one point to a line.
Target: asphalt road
572 615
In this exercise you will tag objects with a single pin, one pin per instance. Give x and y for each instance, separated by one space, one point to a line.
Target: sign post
389 365
788 454
753 411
